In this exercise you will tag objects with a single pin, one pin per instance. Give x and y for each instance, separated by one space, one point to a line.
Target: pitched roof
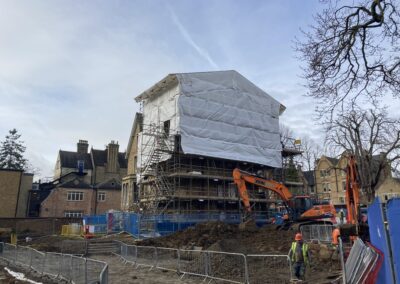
309 176
109 184
70 159
137 122
181 78
75 183
100 158
333 161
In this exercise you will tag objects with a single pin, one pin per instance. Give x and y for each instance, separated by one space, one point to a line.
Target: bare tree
352 51
286 135
311 152
373 137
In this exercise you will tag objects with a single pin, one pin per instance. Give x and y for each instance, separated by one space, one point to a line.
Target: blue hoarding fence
141 225
384 229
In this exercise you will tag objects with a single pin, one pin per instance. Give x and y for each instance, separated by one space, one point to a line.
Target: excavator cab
299 205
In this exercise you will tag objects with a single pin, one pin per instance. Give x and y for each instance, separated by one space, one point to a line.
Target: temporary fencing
211 265
231 267
361 261
319 232
151 225
66 266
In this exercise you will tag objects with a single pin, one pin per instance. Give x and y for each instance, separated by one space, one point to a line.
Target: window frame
73 213
101 194
75 196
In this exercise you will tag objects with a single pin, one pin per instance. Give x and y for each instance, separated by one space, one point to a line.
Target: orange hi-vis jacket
335 236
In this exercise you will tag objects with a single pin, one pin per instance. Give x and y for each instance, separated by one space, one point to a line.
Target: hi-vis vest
304 249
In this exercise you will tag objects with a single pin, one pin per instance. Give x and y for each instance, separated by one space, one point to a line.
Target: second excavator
300 209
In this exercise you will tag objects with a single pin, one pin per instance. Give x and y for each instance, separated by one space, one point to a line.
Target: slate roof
75 183
100 158
110 184
334 161
309 176
70 159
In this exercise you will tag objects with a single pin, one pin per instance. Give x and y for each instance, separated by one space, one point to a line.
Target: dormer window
80 166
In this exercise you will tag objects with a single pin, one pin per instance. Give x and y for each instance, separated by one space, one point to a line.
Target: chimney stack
82 147
112 157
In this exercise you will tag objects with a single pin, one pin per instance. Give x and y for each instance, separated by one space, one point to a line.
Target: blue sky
69 70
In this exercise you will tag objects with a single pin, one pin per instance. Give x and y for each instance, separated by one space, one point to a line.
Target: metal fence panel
52 263
130 253
263 269
193 262
78 270
37 260
146 256
94 270
230 267
320 232
23 255
9 252
168 259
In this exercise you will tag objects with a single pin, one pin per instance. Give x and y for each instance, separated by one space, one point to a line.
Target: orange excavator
300 209
355 226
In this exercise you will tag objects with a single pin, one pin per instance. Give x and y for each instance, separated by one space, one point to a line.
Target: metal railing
210 265
65 266
321 233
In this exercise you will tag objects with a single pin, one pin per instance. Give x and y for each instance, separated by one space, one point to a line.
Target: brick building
14 192
86 182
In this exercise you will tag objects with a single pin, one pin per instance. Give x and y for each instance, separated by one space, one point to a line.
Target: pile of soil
228 237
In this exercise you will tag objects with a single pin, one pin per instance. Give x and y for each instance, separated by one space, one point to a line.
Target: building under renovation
194 129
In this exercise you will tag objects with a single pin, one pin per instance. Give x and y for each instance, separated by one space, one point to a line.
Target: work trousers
299 270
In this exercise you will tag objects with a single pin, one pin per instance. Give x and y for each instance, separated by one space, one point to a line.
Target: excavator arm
352 193
241 177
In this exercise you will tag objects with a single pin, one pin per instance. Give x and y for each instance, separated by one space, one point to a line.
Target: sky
70 70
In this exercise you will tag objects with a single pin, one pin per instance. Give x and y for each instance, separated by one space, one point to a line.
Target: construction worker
341 216
335 236
299 256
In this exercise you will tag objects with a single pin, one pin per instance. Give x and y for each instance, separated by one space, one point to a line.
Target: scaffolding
173 182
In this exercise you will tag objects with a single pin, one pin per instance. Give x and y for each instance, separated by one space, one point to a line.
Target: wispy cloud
201 51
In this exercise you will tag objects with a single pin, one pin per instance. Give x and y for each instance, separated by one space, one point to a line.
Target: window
75 196
341 199
324 173
73 214
101 196
80 166
326 187
344 185
166 127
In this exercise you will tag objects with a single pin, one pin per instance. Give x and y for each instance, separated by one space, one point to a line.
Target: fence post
86 276
16 252
30 258
246 271
342 260
43 263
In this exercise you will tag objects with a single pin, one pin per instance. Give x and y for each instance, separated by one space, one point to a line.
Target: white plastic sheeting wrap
222 114
219 114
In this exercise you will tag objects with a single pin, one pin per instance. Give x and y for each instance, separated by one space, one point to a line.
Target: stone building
14 192
330 179
86 182
196 128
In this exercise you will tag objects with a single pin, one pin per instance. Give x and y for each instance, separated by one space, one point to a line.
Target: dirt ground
215 236
5 277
